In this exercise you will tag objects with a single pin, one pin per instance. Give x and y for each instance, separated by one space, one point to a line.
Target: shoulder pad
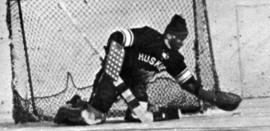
128 37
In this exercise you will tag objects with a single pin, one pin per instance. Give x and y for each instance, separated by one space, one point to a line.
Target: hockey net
53 59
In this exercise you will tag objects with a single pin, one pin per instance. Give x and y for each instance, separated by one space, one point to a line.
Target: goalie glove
223 100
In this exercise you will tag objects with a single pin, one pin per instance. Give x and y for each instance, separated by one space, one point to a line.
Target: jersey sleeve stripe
184 76
132 37
128 37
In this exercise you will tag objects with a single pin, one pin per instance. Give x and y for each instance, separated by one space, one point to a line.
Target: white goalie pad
114 60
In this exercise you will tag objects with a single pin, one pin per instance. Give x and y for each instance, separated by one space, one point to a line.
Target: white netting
62 63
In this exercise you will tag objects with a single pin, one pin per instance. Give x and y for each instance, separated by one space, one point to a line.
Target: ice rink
231 32
252 115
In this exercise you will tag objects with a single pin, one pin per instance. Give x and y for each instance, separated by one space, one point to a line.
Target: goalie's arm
178 69
223 100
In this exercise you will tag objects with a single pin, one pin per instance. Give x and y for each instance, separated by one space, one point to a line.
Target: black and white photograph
135 65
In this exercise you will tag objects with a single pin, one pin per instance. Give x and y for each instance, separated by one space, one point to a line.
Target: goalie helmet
178 27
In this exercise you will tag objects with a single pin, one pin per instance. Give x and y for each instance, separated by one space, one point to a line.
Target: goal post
52 60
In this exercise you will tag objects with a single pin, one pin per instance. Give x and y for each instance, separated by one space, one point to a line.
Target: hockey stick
75 23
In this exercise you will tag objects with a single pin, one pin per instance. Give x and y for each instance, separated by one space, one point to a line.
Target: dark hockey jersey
147 54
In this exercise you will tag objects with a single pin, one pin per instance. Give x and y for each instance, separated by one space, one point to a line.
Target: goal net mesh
53 59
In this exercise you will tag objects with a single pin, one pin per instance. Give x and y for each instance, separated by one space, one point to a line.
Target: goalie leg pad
114 60
113 67
104 91
104 94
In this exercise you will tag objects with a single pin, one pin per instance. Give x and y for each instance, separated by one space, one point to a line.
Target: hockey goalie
137 62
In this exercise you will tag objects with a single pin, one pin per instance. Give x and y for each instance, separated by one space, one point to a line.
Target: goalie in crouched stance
134 58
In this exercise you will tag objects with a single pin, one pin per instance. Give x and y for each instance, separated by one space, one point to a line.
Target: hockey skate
92 116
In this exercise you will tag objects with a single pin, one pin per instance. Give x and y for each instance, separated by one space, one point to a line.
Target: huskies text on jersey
151 60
